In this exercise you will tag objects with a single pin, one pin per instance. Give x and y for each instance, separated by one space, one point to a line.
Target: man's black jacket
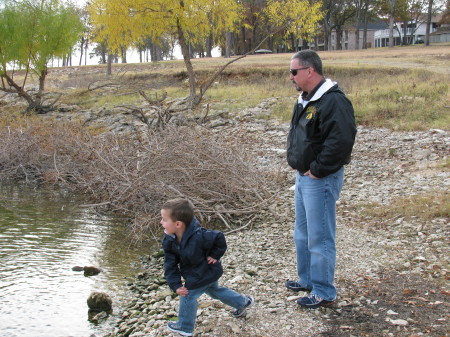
322 132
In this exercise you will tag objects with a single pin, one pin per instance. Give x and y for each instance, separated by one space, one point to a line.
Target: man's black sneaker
249 302
313 301
295 286
173 326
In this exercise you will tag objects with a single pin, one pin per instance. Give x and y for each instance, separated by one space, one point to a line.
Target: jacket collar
193 226
319 92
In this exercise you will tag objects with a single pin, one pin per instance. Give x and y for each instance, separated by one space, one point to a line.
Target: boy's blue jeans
315 231
187 313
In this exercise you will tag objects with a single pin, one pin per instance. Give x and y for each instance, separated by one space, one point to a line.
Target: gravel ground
392 274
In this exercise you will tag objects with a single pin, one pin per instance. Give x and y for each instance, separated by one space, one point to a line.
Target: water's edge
43 234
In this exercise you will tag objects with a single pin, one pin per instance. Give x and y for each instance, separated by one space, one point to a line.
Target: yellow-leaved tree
297 18
122 23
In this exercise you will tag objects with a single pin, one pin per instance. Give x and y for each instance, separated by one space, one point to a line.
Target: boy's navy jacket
188 258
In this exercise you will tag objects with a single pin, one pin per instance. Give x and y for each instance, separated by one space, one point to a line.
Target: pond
43 234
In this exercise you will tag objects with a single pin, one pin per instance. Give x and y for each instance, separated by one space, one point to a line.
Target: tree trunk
234 43
187 61
391 24
42 77
291 37
244 41
81 49
428 28
365 20
85 51
109 65
357 38
405 33
18 90
326 38
209 42
338 38
123 53
227 44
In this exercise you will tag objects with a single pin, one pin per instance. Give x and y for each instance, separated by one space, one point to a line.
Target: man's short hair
309 58
180 210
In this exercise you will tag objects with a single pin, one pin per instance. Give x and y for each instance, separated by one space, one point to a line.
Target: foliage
299 17
51 30
124 22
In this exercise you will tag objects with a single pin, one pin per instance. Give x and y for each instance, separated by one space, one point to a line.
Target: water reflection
43 234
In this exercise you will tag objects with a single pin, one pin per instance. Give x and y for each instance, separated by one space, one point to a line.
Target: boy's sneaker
295 286
313 301
173 326
248 304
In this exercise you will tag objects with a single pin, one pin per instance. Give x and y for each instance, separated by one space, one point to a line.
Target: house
378 35
348 38
414 31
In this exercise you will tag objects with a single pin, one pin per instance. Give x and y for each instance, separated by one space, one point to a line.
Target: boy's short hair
180 210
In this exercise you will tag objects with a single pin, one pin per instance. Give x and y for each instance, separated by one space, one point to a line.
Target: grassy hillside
403 88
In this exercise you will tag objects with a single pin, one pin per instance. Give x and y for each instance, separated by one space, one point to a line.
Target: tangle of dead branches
135 174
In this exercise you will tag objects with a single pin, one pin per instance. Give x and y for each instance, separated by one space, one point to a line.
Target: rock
88 270
99 301
96 317
91 270
400 322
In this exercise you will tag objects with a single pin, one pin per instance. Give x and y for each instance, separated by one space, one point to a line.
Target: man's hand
182 291
211 260
308 173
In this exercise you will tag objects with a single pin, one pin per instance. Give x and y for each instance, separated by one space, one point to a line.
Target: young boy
194 253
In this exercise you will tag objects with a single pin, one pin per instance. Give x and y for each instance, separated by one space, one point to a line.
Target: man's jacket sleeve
338 132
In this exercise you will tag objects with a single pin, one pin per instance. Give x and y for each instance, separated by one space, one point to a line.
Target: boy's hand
211 260
182 291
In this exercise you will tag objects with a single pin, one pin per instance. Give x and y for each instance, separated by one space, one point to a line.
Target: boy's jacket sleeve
172 272
217 244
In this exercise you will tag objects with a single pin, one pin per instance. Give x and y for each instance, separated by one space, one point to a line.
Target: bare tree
428 28
391 22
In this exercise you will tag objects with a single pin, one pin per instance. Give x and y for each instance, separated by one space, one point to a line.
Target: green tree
52 28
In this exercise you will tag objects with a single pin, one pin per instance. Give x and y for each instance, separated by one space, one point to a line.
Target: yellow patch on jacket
310 112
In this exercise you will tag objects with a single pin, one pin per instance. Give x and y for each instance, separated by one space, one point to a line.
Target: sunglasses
295 71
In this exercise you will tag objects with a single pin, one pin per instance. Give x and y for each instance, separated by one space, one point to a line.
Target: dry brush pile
133 174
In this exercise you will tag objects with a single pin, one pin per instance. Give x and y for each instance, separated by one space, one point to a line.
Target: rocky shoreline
392 274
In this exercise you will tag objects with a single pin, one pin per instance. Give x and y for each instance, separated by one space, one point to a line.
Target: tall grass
396 98
425 206
398 88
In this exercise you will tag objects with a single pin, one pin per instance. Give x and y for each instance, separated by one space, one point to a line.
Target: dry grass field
402 88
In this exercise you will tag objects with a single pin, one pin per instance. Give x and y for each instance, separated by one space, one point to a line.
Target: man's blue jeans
315 231
187 313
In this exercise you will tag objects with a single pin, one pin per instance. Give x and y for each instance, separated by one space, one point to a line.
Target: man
319 144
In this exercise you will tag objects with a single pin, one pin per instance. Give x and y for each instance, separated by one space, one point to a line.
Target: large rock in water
99 301
88 270
91 270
